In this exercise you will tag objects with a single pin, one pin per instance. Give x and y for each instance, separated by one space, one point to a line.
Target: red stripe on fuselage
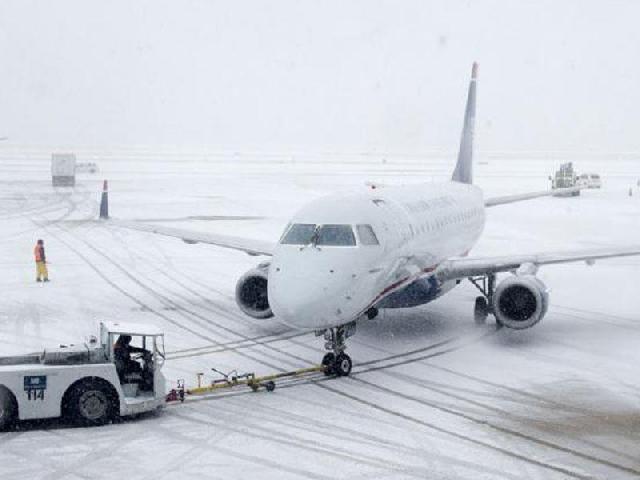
395 285
400 282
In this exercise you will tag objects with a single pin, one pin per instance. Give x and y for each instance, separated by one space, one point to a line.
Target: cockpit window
299 234
366 235
321 235
335 236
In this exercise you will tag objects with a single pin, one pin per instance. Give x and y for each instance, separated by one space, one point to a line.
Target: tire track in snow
442 390
307 423
257 430
498 428
254 459
457 435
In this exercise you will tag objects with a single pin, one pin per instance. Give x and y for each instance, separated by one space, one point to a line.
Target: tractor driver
122 351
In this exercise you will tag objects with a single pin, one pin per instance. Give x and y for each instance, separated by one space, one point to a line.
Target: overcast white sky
337 75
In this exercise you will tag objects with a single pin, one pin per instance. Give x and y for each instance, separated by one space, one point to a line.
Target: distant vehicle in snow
63 169
87 167
589 180
564 178
86 383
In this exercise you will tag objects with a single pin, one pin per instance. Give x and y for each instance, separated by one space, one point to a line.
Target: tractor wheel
90 403
8 410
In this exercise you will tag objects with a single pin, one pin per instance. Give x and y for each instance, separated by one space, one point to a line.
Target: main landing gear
484 304
336 362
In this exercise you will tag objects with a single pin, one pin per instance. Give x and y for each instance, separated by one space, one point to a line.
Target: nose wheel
343 365
339 365
336 362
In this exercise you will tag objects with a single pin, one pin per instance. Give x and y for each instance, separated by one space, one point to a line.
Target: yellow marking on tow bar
252 381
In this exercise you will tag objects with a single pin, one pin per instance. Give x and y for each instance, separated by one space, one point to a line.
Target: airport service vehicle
342 258
563 179
87 167
589 180
82 382
63 169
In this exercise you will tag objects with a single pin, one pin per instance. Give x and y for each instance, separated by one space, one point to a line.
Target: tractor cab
137 351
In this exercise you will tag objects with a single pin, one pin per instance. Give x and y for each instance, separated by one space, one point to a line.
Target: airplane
343 258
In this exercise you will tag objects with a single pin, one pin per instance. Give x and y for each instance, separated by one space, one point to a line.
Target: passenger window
299 234
366 235
335 236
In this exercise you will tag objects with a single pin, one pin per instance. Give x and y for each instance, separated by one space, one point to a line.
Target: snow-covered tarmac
431 396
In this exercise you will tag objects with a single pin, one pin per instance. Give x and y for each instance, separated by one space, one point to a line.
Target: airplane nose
296 301
308 301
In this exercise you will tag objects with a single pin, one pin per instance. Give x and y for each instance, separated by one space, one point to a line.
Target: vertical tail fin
464 168
104 202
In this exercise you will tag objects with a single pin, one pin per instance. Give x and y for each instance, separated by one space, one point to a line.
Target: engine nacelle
251 292
520 301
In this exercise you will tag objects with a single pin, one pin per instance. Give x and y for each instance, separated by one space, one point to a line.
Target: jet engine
520 301
251 292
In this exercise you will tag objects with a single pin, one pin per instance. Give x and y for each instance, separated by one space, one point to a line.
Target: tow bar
234 379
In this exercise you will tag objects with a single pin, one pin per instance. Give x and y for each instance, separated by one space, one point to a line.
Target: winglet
464 168
104 201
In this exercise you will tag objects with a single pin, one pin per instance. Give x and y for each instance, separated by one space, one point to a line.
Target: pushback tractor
88 384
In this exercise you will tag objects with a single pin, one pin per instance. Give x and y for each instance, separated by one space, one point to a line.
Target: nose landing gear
336 362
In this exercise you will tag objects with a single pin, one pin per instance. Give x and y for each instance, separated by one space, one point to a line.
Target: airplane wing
250 246
463 267
492 202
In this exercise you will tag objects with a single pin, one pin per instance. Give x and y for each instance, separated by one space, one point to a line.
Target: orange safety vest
37 252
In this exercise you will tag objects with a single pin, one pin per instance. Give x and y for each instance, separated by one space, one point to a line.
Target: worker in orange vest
42 275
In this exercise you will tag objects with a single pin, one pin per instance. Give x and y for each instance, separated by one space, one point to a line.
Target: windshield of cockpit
329 235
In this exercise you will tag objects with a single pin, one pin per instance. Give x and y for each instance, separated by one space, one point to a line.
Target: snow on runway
431 395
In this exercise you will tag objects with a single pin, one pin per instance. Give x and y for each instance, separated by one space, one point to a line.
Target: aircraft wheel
328 362
270 386
7 410
343 365
90 403
481 311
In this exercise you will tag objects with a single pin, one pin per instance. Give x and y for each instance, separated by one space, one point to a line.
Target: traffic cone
104 202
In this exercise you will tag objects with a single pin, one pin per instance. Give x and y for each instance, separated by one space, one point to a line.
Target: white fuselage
417 227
